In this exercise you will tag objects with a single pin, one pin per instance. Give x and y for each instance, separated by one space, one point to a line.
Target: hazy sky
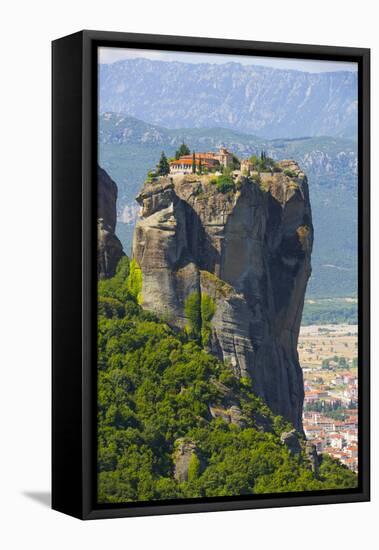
110 55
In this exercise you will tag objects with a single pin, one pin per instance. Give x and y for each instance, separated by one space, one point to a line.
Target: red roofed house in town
351 463
352 451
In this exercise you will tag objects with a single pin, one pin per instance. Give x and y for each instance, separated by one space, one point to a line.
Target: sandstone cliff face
109 248
249 252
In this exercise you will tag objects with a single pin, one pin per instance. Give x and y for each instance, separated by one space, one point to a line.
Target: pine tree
163 167
200 166
182 151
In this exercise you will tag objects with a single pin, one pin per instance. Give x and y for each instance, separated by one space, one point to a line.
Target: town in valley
328 356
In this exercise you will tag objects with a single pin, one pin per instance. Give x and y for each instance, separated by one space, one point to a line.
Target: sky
110 55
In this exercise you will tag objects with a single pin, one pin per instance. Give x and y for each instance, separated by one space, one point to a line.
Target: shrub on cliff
199 310
289 173
208 309
225 183
264 163
192 310
134 283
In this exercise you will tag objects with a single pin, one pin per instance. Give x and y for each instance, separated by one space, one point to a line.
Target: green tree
192 309
110 307
135 281
208 309
254 161
194 468
163 167
182 151
200 168
325 364
225 183
236 163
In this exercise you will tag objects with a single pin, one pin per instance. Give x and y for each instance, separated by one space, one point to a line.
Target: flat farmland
320 342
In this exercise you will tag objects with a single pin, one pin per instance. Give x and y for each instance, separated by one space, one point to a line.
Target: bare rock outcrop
184 456
291 441
231 415
248 252
109 248
313 457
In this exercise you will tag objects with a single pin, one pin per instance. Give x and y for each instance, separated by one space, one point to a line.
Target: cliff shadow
200 246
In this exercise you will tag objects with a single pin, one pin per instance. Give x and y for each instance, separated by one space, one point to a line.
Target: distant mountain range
129 147
263 101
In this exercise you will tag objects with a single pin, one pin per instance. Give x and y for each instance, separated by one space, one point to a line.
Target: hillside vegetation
160 392
330 311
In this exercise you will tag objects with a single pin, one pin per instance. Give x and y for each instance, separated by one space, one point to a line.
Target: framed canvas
210 275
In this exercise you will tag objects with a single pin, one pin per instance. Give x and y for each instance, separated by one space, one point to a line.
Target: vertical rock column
109 248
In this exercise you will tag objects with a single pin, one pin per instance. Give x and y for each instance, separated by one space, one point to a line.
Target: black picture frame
74 152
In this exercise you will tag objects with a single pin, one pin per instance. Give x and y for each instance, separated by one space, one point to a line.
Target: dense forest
159 392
